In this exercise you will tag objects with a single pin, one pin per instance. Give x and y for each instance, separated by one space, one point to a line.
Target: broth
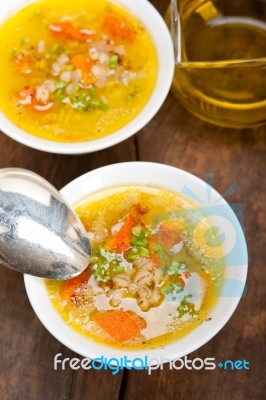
151 279
75 72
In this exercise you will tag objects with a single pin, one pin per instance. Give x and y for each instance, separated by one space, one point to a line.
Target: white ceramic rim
157 28
122 174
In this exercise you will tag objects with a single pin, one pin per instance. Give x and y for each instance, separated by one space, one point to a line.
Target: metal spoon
40 234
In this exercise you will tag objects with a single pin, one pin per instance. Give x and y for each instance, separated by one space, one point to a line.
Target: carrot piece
29 90
120 242
66 30
84 64
118 27
23 64
120 324
71 285
168 236
142 324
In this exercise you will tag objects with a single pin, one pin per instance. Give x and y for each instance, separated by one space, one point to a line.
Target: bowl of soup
81 76
168 265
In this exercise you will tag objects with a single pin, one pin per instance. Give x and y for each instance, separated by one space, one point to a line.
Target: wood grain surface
177 138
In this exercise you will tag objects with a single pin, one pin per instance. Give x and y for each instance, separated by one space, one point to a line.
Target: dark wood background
177 138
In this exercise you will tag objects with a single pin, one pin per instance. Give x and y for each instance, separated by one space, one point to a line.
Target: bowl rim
155 25
202 334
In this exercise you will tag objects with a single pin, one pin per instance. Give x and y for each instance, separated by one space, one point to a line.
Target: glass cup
220 55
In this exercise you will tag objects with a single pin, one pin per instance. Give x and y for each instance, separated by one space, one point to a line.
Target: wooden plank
92 384
60 169
27 349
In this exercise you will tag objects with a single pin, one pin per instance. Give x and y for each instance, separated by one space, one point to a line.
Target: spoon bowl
40 234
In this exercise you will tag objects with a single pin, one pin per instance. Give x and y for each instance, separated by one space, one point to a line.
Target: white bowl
215 207
157 28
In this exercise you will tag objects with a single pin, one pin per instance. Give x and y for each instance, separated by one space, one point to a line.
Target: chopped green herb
94 259
95 103
134 241
147 233
175 288
68 67
60 85
75 88
101 271
129 97
88 100
159 250
113 61
59 95
163 255
132 254
56 47
118 269
24 41
105 264
139 243
167 289
92 92
182 309
143 252
177 268
81 100
186 307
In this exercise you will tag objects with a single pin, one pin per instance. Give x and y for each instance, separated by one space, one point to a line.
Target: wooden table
177 138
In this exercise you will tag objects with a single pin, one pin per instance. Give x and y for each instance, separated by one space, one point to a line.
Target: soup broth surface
156 269
75 70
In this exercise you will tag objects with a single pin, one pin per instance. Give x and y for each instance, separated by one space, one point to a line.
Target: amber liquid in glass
222 75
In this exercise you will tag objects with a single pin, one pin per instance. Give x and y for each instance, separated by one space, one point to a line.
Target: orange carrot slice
142 324
23 64
120 242
70 286
66 30
118 27
84 64
120 324
168 236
